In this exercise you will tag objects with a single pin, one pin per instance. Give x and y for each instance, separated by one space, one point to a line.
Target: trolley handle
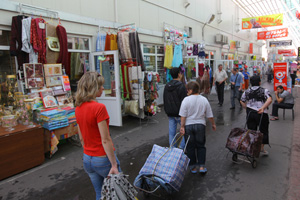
259 120
179 139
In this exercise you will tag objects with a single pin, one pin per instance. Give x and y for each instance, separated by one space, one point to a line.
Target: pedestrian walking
236 81
284 99
193 111
256 101
220 76
270 73
174 93
246 79
99 158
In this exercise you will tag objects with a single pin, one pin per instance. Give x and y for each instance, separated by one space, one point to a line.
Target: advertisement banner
280 43
280 75
232 46
251 48
262 21
287 52
278 33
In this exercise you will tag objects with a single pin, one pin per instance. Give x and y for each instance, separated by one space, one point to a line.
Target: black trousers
220 92
277 105
253 123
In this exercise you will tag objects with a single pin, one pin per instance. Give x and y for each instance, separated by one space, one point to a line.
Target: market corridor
63 178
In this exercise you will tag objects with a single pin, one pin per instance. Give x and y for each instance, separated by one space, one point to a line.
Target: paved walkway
294 176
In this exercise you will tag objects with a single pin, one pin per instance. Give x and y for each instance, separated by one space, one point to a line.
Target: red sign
287 52
278 33
251 48
280 75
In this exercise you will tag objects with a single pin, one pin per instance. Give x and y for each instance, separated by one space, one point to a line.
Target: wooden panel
21 149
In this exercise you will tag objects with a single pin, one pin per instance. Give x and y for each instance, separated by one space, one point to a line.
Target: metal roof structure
254 8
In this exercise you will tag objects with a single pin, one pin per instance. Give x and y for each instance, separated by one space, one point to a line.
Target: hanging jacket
174 93
63 54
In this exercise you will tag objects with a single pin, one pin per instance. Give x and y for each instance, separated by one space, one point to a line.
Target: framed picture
53 70
53 43
53 81
34 83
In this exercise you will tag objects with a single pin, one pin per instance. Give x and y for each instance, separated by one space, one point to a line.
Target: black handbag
233 86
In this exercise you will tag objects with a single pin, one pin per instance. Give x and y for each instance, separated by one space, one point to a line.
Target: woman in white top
194 110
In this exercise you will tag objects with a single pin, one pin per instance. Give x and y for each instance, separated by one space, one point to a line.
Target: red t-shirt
88 115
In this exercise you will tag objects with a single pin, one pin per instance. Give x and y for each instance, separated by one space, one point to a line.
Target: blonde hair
88 87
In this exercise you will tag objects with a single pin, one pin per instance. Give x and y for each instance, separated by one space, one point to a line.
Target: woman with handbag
99 158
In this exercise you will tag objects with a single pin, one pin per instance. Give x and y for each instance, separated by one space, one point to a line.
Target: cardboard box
61 133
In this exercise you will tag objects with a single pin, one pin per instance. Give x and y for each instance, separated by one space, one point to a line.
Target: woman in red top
99 158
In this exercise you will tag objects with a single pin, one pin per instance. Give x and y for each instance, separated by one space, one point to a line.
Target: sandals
194 171
274 119
203 171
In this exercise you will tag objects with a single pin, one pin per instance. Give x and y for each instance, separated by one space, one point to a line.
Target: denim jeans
235 93
173 121
97 168
196 150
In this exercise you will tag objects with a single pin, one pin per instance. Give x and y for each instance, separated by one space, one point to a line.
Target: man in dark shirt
174 93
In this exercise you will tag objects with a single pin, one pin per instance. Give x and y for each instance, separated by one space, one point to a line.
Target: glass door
107 64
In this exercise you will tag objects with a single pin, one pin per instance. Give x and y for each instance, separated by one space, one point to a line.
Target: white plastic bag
213 90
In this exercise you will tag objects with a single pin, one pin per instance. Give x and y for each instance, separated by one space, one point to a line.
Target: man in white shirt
220 77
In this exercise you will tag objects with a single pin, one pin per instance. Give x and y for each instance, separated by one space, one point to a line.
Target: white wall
80 16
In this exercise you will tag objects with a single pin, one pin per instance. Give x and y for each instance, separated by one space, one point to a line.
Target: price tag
42 25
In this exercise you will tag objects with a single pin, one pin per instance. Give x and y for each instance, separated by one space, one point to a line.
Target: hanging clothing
102 42
200 69
195 49
26 46
38 39
63 41
113 42
120 45
177 58
132 44
107 42
16 41
139 56
126 47
51 56
168 56
98 42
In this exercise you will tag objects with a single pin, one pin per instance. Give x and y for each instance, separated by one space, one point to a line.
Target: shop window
78 43
7 65
154 60
79 52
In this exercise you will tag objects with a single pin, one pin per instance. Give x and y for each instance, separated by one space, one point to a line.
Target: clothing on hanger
63 41
38 38
16 41
26 46
177 58
168 57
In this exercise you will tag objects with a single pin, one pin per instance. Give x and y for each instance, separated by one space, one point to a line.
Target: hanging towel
132 44
102 42
98 42
120 45
168 57
51 56
63 42
107 42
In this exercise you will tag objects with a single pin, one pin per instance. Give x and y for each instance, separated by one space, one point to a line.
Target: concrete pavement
62 177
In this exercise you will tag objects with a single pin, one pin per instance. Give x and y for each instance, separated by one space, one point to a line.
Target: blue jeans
196 150
235 93
97 168
173 121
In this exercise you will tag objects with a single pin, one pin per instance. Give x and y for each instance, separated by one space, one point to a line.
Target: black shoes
232 108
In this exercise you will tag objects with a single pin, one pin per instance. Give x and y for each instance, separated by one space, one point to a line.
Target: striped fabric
170 164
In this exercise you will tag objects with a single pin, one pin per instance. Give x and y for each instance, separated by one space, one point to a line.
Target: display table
21 149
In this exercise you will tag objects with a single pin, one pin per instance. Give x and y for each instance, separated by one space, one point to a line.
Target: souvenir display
9 121
53 70
34 76
29 108
53 81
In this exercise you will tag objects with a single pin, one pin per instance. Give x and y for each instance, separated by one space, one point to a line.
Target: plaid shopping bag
170 164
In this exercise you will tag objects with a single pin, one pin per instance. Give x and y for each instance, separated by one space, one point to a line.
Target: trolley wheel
254 163
235 157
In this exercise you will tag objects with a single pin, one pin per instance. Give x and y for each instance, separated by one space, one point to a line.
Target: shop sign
287 52
280 75
278 33
232 46
251 48
262 21
280 43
